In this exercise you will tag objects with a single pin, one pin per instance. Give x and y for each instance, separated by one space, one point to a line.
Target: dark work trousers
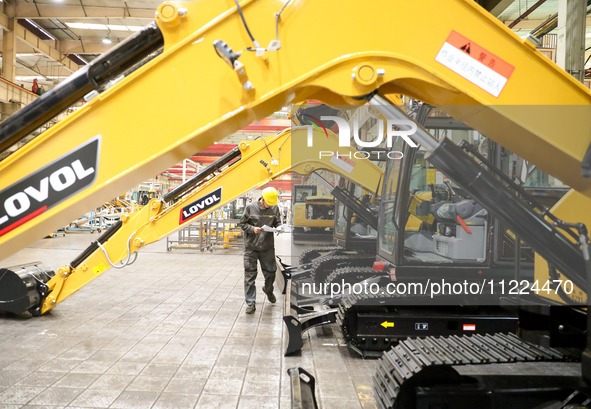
267 260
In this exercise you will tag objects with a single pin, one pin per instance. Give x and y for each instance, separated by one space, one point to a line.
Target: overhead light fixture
107 40
38 27
112 27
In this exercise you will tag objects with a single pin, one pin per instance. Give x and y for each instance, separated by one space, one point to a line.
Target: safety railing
10 92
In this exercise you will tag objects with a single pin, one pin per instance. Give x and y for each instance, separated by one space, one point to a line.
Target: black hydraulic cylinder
586 356
350 202
94 245
503 204
191 183
105 67
586 163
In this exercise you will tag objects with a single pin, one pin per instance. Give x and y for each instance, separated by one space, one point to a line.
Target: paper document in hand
271 229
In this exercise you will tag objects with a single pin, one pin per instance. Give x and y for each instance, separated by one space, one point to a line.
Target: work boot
250 309
271 298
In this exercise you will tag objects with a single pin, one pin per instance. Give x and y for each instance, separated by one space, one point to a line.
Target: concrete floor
166 332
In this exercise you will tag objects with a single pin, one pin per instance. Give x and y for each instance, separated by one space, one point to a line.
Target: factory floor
169 331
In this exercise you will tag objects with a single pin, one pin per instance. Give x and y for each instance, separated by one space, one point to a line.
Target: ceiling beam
85 46
496 7
43 71
32 71
43 47
24 48
32 11
3 21
39 45
531 24
526 13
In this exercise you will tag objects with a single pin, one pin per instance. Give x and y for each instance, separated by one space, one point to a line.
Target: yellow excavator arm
260 161
212 79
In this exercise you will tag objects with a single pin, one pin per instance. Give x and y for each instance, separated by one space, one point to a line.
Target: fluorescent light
39 28
115 27
81 58
87 26
104 27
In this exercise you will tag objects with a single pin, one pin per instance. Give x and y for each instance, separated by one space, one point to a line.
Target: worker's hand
257 230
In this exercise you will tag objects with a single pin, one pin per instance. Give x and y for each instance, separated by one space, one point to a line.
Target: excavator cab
439 224
430 223
431 229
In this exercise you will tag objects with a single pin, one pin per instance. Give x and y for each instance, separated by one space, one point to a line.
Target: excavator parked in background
201 74
468 245
443 233
312 214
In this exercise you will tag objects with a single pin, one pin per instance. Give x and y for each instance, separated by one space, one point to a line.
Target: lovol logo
49 186
200 205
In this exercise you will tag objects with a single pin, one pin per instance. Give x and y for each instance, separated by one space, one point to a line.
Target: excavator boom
213 77
260 161
209 81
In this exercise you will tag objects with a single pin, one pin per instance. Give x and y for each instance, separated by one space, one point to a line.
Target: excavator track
323 267
311 253
426 362
372 323
350 274
347 321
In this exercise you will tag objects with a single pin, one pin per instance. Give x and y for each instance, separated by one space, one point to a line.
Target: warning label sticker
474 63
342 162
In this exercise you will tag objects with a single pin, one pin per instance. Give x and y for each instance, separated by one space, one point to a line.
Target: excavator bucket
22 288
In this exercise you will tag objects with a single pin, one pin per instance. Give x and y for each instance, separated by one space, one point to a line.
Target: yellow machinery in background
313 215
142 197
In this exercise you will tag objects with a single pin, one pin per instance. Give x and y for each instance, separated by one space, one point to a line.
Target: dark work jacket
255 216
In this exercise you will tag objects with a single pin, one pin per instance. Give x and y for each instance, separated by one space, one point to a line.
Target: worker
259 245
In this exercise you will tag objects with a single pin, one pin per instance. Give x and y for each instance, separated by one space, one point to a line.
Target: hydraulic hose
105 67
